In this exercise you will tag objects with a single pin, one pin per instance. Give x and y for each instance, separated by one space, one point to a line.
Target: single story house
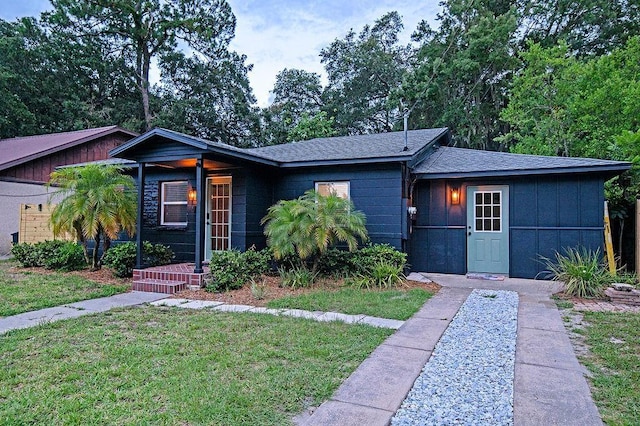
452 210
26 163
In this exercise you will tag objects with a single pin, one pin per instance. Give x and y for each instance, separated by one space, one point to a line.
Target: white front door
218 231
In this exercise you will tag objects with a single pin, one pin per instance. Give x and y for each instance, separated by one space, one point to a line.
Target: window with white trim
173 203
340 188
488 211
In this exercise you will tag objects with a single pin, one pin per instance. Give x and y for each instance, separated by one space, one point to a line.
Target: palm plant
98 202
307 226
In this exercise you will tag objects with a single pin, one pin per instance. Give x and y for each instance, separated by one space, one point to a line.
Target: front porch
168 279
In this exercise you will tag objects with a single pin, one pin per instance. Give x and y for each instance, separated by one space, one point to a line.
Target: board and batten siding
547 214
376 190
251 193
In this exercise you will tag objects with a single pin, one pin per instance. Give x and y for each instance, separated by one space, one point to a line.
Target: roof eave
424 152
67 145
612 170
120 151
346 161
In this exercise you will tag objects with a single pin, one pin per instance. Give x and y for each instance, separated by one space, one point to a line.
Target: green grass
393 304
29 291
615 366
170 366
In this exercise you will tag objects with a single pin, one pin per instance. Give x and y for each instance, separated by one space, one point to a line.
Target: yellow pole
607 240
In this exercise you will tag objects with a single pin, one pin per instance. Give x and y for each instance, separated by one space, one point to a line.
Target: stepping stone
382 322
335 316
170 302
233 308
416 276
261 310
299 313
201 304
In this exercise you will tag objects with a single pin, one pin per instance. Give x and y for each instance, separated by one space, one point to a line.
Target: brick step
631 298
159 286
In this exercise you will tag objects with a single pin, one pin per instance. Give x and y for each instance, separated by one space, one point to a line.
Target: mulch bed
273 291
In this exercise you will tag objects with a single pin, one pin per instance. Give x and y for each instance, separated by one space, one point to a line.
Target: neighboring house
453 210
26 162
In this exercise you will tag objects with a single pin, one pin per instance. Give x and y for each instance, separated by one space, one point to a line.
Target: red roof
19 150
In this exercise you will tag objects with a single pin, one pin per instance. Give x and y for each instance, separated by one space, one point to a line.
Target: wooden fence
34 224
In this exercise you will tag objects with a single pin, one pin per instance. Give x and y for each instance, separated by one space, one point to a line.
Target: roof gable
16 151
449 162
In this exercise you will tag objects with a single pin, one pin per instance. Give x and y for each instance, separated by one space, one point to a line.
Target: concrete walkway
549 385
73 310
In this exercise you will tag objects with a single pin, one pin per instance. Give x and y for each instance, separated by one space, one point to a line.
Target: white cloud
276 35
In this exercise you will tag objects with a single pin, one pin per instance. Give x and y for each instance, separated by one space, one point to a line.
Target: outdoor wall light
455 195
192 196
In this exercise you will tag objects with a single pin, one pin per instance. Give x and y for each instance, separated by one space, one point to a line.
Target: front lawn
614 361
394 304
26 290
171 366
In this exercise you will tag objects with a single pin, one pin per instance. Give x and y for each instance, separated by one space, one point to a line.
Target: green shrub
297 277
582 271
51 254
366 259
381 275
25 254
231 269
122 257
336 263
67 257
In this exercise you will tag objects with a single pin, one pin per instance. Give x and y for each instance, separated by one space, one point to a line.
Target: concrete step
159 286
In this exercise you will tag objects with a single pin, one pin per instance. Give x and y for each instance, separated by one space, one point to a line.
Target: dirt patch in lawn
273 290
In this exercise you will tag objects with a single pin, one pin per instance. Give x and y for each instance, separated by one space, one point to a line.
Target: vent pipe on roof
406 119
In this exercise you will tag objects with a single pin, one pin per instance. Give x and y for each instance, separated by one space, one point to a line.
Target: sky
279 34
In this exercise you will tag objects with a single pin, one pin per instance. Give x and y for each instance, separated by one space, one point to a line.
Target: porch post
200 215
141 176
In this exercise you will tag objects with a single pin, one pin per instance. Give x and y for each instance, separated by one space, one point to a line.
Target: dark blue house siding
252 193
376 190
181 239
547 214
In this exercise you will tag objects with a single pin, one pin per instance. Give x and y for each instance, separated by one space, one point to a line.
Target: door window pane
488 212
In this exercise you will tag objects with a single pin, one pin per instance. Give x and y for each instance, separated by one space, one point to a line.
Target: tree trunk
95 264
83 241
144 88
105 247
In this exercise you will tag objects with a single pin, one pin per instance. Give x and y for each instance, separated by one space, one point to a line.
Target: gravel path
469 378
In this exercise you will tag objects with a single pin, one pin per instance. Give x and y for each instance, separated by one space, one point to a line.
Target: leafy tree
588 27
363 71
296 92
318 126
143 30
97 203
463 70
307 226
51 84
209 99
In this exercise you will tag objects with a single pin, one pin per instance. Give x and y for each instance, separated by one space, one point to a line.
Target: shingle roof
19 150
321 151
359 147
459 162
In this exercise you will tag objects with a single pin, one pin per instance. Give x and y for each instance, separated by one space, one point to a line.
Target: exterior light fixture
455 195
192 196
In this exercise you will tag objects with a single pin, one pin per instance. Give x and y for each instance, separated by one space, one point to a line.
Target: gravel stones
469 378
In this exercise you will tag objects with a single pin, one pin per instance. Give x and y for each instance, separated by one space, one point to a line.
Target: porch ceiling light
455 195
